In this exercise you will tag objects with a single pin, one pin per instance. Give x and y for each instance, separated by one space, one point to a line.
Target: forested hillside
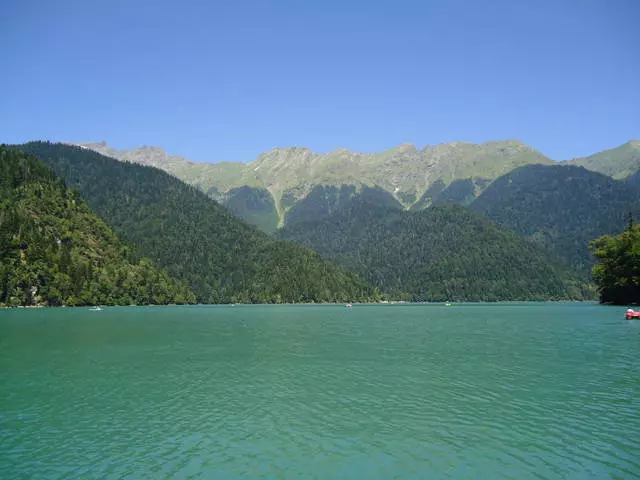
560 208
220 257
55 251
633 179
442 253
461 192
254 206
322 201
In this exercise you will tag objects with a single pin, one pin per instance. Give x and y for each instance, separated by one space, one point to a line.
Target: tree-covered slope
442 253
619 162
255 206
222 258
324 200
460 192
560 208
633 179
55 251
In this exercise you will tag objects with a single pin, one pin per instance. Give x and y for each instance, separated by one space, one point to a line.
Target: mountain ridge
292 172
264 190
105 148
619 162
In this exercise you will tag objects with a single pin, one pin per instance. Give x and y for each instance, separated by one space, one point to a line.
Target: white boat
95 309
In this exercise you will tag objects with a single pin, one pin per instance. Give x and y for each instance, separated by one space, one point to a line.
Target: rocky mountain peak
285 156
404 148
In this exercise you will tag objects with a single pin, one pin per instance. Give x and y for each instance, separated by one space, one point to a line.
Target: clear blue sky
226 80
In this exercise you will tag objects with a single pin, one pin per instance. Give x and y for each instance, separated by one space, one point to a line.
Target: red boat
632 314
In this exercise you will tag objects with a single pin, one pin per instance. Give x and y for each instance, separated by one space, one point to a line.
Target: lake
500 391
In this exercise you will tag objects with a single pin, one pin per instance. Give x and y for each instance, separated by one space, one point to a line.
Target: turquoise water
383 391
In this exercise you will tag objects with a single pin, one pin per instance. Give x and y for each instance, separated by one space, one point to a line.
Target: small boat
632 315
95 309
349 305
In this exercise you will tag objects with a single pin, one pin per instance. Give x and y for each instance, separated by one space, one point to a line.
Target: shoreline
341 304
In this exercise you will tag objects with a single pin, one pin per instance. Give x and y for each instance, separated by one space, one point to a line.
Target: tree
617 273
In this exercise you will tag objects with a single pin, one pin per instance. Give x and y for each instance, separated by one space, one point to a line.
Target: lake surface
494 391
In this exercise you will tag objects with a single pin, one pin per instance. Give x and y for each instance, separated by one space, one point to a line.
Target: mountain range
265 191
559 206
497 221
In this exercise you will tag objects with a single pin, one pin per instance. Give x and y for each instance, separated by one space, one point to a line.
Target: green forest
438 254
220 257
55 251
617 272
322 201
560 208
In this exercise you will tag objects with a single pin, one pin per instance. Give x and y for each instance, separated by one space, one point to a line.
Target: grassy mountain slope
560 208
55 251
617 162
222 258
442 253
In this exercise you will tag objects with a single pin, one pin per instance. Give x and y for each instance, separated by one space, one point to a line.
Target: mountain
617 162
560 208
179 228
55 251
441 253
282 177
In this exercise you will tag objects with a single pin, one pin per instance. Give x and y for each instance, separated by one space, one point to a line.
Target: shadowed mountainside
560 208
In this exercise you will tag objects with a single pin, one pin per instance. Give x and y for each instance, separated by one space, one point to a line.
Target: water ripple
473 391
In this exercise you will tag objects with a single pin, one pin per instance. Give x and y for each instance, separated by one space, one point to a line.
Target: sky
227 80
